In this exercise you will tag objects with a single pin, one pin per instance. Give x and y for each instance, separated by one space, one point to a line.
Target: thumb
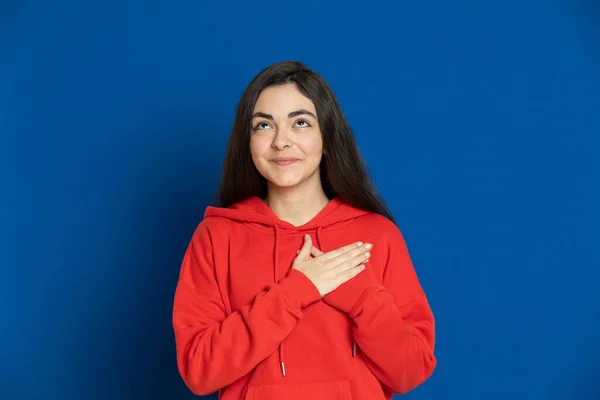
316 252
306 247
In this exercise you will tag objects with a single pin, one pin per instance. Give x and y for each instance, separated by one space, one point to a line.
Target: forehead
282 99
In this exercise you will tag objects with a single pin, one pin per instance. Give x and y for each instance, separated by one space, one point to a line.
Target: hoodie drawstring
275 279
354 346
319 237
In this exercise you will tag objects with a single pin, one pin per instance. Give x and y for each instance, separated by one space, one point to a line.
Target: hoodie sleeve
215 349
392 323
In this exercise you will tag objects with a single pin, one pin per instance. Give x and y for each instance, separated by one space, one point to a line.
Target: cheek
253 148
257 147
313 146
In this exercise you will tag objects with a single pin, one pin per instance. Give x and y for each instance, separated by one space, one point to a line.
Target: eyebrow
290 115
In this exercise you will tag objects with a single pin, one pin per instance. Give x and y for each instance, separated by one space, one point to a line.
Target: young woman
300 285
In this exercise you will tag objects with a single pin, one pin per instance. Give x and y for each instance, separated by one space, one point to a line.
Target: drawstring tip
282 368
354 350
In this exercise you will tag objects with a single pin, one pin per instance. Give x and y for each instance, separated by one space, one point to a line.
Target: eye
262 126
303 122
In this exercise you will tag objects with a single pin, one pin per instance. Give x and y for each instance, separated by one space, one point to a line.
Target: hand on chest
259 259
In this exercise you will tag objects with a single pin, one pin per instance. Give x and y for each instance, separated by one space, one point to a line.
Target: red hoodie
250 327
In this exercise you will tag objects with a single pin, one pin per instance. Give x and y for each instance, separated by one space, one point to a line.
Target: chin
292 179
285 183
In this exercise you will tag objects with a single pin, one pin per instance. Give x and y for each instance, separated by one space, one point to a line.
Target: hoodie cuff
347 296
299 290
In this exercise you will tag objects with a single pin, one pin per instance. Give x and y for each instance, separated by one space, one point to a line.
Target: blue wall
480 123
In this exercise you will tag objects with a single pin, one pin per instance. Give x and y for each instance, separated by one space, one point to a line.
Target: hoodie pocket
301 391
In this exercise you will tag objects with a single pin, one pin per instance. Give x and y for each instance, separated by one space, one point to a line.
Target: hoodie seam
337 225
408 352
196 291
411 302
363 297
297 311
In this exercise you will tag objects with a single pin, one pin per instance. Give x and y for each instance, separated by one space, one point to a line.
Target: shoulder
215 223
385 229
212 228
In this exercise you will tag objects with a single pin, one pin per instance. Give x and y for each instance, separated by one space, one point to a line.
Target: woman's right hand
328 271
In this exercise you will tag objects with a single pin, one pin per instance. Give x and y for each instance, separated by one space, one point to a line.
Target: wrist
350 293
299 289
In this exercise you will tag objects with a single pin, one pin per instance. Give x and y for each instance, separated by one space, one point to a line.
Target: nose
282 140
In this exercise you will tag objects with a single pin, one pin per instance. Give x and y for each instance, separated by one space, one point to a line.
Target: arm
392 323
215 349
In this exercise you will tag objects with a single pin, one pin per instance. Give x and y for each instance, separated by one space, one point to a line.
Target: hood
255 211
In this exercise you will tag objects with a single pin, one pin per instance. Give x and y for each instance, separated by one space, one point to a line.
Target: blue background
479 121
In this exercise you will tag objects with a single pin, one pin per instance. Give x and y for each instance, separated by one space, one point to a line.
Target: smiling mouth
284 161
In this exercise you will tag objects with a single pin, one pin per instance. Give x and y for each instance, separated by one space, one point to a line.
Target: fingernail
359 243
306 237
368 245
367 254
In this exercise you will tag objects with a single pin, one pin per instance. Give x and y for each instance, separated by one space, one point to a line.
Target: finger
356 252
353 262
316 252
342 250
351 255
298 252
306 247
350 273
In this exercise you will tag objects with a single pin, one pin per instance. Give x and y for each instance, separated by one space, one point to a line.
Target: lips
283 161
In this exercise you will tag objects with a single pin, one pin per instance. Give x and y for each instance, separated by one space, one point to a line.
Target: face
286 142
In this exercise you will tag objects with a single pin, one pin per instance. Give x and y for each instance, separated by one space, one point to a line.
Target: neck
296 205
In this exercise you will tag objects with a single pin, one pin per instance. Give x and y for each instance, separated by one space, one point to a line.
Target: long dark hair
343 171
